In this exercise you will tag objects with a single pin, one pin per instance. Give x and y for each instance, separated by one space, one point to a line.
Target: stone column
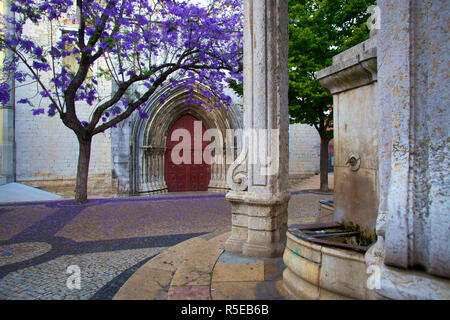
260 198
156 169
414 212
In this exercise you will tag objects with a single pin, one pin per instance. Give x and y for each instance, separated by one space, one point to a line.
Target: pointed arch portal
150 170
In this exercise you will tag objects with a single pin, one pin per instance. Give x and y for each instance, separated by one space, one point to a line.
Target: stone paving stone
219 240
237 277
111 238
273 269
128 219
247 290
173 257
22 251
189 293
50 278
238 272
312 183
146 284
20 218
198 266
303 206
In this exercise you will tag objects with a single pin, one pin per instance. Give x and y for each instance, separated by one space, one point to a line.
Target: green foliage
364 238
235 85
238 87
318 30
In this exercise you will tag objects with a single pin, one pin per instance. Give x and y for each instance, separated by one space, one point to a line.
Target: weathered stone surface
397 283
247 290
299 288
146 284
196 270
238 272
175 256
305 269
22 251
357 71
356 197
352 81
414 217
319 272
344 274
265 107
303 248
304 150
189 293
418 145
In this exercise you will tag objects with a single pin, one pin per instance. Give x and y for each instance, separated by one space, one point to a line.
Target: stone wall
352 80
304 151
413 222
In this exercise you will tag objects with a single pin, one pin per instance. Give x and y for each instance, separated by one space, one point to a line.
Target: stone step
237 277
192 280
180 272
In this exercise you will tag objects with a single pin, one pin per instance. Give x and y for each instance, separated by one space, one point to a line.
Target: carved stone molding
259 198
149 137
237 176
357 71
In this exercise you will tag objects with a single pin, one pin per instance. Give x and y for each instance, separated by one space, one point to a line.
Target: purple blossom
4 93
24 101
38 111
206 41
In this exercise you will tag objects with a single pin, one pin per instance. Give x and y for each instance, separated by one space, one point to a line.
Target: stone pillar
414 213
153 169
259 199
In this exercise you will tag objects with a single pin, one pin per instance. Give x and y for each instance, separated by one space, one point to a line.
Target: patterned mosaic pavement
108 239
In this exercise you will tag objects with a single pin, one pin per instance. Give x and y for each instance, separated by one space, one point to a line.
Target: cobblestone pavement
108 239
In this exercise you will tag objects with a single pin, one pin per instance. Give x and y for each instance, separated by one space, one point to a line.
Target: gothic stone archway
149 139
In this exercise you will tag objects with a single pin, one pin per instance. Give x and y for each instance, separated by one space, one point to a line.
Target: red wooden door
184 176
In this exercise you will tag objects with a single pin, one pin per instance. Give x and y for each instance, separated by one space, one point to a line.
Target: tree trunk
83 169
324 164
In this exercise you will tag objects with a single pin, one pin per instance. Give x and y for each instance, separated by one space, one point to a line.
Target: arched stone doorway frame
148 138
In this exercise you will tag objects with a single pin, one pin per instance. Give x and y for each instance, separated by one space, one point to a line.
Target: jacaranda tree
145 45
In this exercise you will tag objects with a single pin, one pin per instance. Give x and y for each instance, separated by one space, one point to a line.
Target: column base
259 224
392 283
234 245
263 250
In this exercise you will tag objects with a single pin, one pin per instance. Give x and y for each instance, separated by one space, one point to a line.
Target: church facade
131 159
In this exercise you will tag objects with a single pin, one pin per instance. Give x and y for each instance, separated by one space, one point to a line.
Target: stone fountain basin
319 271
